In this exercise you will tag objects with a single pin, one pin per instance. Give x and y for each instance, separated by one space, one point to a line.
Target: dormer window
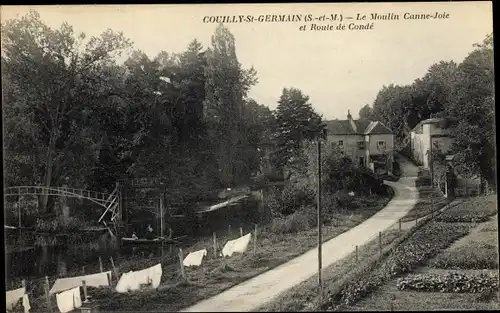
361 145
381 144
341 143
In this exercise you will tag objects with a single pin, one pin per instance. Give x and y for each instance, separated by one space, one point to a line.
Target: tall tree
471 113
366 112
226 87
60 71
391 107
296 122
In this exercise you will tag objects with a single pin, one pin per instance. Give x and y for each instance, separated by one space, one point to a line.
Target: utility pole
320 220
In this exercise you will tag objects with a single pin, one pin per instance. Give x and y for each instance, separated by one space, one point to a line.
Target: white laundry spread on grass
195 258
69 300
92 280
13 296
26 303
131 281
239 245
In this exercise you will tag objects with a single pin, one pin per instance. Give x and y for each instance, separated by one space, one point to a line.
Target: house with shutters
369 143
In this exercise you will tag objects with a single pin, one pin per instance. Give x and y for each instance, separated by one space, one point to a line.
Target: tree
296 122
226 87
391 107
366 112
62 75
471 113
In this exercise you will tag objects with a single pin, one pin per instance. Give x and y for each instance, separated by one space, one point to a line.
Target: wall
444 143
389 144
417 147
422 143
350 145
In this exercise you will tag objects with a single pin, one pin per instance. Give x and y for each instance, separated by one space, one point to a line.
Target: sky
339 70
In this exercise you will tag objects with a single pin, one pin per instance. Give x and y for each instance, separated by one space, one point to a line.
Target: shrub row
420 246
424 244
452 217
451 282
473 211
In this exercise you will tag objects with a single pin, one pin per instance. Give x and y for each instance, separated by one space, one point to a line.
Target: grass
467 256
430 200
217 274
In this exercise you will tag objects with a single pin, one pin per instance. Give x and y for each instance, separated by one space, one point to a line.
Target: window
381 144
361 161
361 145
341 143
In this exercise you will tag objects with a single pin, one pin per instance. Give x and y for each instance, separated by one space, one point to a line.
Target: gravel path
257 291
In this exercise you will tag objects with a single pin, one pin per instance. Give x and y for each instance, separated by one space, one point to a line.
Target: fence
363 256
366 257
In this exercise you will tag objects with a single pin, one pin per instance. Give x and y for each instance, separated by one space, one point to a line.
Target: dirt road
255 292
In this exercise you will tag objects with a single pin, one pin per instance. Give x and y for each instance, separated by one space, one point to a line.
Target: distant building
429 134
369 143
432 134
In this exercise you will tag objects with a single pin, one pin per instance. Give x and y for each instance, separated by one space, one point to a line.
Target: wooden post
85 297
416 221
357 253
380 242
100 265
181 259
83 270
19 212
109 279
255 240
399 225
161 215
215 244
47 295
241 231
115 271
162 250
229 231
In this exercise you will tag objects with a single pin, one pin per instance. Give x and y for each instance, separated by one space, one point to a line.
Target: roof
418 127
363 127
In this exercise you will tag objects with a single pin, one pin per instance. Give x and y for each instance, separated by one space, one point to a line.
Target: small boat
128 240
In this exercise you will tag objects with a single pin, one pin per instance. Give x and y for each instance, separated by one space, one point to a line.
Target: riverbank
217 274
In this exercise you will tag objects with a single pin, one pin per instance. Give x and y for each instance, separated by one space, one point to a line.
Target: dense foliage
84 120
463 94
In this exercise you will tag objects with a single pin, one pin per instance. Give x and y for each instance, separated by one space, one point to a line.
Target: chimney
351 121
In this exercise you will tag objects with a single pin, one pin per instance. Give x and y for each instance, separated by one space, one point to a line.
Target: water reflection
57 256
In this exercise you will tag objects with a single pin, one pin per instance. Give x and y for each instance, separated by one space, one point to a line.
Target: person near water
149 232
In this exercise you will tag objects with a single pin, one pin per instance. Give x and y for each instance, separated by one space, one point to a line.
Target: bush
451 282
294 223
290 199
396 169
